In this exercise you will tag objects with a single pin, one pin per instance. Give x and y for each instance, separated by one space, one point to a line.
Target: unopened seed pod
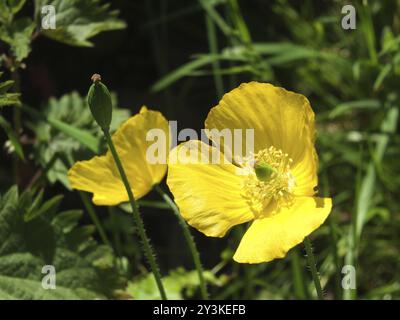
99 100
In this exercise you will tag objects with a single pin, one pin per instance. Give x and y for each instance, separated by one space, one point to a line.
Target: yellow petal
280 118
271 238
208 195
100 176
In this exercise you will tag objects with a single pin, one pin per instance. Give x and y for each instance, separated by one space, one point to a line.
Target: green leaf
79 20
84 269
185 70
49 206
383 74
368 183
8 8
145 288
343 108
67 220
82 136
18 36
6 98
13 138
65 130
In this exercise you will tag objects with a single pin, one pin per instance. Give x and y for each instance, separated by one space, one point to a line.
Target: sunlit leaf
78 21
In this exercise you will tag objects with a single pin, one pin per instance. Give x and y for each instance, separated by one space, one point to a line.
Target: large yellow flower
274 188
100 175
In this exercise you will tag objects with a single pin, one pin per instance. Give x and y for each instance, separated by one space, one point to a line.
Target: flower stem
148 251
189 241
313 267
92 213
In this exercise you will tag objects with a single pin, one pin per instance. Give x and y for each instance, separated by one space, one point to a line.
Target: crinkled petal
271 238
100 176
208 195
280 118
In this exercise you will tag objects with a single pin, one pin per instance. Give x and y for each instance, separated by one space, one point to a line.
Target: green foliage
84 269
351 78
15 145
65 131
178 284
6 98
18 36
79 20
8 8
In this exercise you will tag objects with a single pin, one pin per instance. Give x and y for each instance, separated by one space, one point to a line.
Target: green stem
189 241
299 285
313 268
17 121
334 240
213 46
92 213
148 251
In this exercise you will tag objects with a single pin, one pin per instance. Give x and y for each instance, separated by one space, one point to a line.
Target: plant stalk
313 268
92 213
148 251
189 241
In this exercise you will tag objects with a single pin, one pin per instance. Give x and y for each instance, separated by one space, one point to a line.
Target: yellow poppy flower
275 188
100 175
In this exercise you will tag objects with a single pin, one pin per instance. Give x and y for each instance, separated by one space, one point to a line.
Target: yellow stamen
268 186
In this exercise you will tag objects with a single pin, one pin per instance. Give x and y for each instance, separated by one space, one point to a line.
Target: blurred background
179 57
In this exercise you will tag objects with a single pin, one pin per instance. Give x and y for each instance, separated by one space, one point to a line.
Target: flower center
268 184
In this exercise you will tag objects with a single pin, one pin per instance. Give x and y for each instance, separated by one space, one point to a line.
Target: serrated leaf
49 207
27 246
8 8
5 97
78 21
18 36
66 128
67 220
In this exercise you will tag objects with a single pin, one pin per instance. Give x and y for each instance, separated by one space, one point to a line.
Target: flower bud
99 100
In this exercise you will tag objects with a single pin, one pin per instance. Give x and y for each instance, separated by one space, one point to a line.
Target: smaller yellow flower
100 175
275 188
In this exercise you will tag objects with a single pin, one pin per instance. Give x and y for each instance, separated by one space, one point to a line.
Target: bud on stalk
99 100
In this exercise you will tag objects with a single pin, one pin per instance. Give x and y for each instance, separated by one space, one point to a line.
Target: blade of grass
213 46
208 6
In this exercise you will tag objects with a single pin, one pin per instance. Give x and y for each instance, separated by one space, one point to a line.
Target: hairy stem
189 241
92 213
148 250
313 267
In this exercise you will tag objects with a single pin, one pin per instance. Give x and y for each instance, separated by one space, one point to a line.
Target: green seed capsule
99 100
263 171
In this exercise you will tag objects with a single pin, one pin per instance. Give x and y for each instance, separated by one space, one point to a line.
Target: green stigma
263 171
